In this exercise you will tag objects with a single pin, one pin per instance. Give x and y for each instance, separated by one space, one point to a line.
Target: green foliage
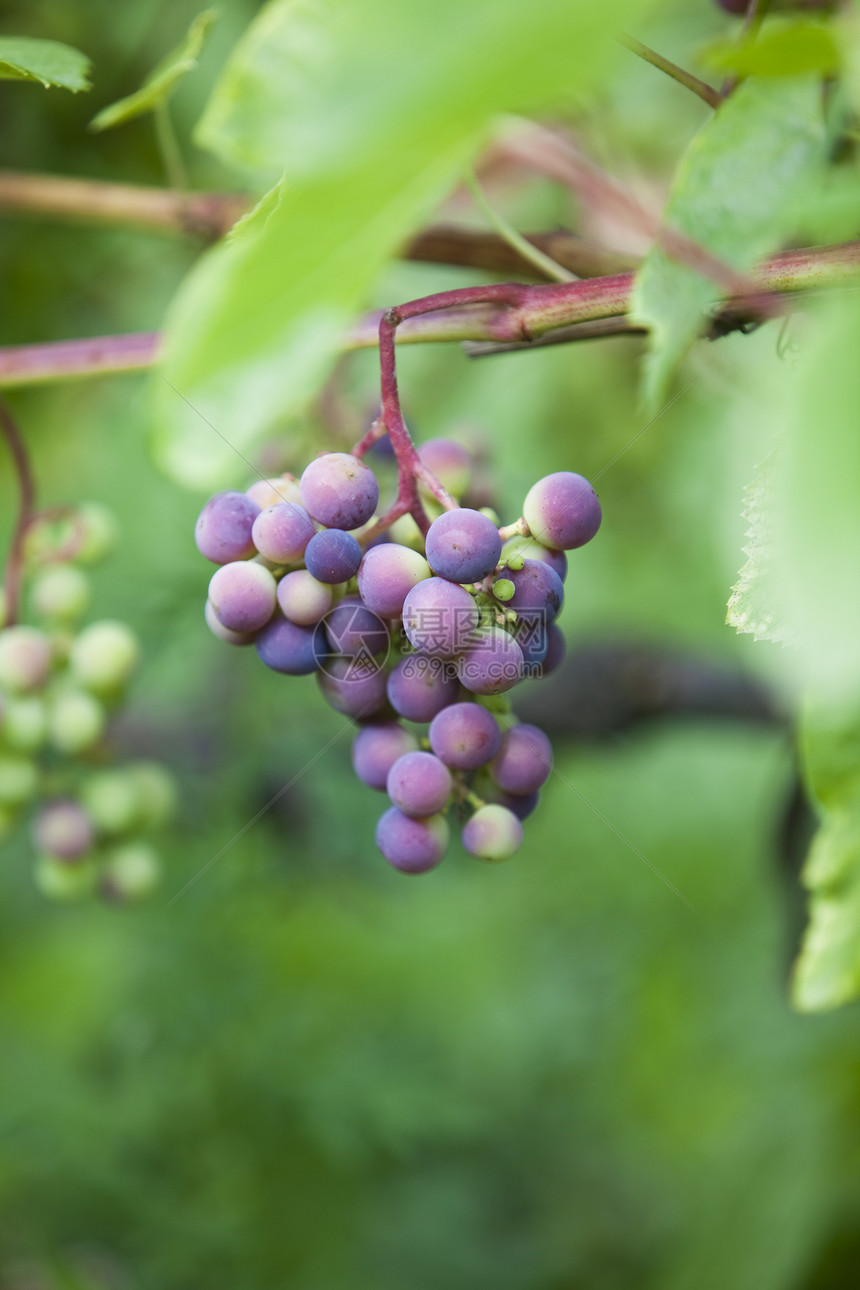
783 49
162 81
730 193
25 58
371 139
827 973
752 605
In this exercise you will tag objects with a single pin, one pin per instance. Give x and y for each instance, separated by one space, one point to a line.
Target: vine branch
704 91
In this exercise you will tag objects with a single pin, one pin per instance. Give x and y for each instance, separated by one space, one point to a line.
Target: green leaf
827 972
782 49
752 605
373 110
24 58
162 81
732 195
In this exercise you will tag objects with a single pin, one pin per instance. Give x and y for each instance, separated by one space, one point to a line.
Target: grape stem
705 92
519 528
26 512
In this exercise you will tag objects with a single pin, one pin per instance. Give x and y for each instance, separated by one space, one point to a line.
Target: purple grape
439 617
556 650
562 511
281 532
522 804
224 633
412 846
332 556
523 764
223 530
419 784
352 629
450 462
353 686
63 830
302 599
243 595
339 490
386 576
493 833
463 545
464 736
532 636
375 750
529 549
285 647
420 686
492 664
538 591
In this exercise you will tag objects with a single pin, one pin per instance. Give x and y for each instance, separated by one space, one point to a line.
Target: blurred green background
308 1072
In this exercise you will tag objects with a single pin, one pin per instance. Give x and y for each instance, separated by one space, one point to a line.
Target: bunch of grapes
416 636
59 684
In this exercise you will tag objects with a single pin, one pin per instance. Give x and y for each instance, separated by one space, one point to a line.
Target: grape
412 846
562 511
419 784
339 491
531 634
405 532
131 871
76 720
493 833
463 545
387 574
25 659
450 462
375 750
112 800
223 633
104 655
538 591
350 628
302 599
25 723
332 556
223 531
97 531
439 617
268 492
286 647
556 650
464 736
352 687
524 761
59 880
243 595
527 548
61 593
19 780
156 792
63 830
420 686
492 664
281 532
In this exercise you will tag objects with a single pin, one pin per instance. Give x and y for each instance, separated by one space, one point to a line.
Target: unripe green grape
99 532
130 872
503 589
25 724
61 593
25 659
112 799
19 779
156 791
76 720
62 880
407 533
103 656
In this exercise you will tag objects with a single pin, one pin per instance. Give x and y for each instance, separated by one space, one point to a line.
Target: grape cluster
59 684
406 630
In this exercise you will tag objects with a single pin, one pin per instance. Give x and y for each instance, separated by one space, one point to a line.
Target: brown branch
706 92
204 215
477 249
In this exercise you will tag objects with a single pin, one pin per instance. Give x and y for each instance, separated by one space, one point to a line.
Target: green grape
19 779
99 532
60 593
112 798
76 720
25 724
103 656
64 880
131 871
156 790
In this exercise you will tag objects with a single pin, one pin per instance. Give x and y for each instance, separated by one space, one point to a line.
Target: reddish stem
374 434
26 505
